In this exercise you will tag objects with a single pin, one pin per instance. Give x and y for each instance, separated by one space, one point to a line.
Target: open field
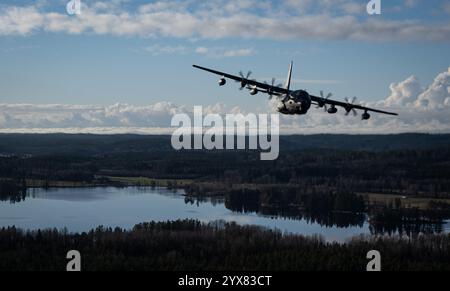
406 202
144 181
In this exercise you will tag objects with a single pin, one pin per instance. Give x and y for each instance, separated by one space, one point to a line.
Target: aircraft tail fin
288 80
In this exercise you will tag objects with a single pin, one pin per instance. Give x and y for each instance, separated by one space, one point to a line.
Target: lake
81 209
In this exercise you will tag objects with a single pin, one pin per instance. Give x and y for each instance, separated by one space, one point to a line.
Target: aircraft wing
266 88
275 90
347 106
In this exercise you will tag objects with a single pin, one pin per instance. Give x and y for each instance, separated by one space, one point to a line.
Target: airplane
294 101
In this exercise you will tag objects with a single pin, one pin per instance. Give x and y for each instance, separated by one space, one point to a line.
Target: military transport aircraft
294 102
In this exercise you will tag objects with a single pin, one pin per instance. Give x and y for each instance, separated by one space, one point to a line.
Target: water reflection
80 209
408 228
97 193
14 195
381 220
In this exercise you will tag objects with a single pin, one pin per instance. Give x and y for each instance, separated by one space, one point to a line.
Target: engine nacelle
365 116
253 91
222 81
332 110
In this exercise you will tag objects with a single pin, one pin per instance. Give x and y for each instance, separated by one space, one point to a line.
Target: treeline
48 168
424 173
94 145
192 245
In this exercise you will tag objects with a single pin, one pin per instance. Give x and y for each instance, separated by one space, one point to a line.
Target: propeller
270 90
349 106
323 103
244 77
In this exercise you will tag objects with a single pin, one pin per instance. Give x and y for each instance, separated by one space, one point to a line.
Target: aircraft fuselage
298 102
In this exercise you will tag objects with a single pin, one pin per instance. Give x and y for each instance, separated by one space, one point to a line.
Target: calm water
81 209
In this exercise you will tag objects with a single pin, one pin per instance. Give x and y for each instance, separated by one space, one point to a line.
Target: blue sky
141 52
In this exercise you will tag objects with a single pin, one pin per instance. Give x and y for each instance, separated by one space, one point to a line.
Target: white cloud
202 50
220 52
238 53
20 20
212 52
437 95
221 19
84 116
157 49
421 109
410 93
404 93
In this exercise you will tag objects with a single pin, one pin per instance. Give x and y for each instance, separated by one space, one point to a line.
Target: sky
126 66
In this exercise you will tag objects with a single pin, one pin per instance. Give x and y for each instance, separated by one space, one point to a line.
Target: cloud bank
217 19
212 52
421 109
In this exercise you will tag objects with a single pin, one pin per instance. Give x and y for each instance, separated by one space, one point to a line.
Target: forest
189 245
